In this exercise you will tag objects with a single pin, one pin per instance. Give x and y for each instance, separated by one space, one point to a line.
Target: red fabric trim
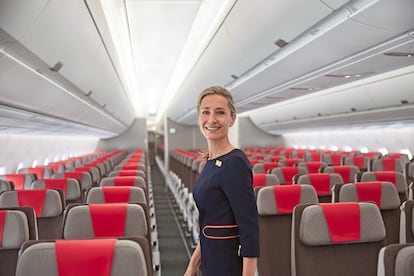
39 172
3 214
268 166
387 176
85 257
287 197
77 175
343 220
336 159
259 180
369 191
345 172
359 161
321 182
389 164
124 180
32 198
130 167
17 179
289 173
313 167
127 173
56 183
108 220
116 194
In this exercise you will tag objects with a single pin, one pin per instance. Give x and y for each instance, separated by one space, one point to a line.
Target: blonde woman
229 231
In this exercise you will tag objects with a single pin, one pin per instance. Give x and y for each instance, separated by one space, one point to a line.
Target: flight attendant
229 229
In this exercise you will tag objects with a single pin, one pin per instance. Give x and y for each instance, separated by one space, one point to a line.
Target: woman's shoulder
237 156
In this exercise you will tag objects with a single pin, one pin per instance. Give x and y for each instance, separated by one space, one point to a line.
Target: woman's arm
249 266
194 264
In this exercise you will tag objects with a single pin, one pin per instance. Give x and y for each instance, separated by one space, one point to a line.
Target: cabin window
347 149
34 164
408 152
334 148
2 170
46 162
383 151
21 165
364 150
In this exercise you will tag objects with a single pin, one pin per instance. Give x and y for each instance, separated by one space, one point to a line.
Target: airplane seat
286 174
92 170
397 178
387 164
136 181
396 260
47 204
349 173
360 161
264 167
111 220
6 186
39 172
275 205
313 166
17 225
263 179
114 194
70 186
128 173
409 175
323 183
333 159
84 178
106 257
289 162
384 195
407 222
338 239
21 181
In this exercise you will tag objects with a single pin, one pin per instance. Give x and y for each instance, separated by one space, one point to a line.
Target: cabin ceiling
91 67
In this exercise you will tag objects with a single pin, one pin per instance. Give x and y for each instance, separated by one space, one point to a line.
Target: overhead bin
245 38
86 89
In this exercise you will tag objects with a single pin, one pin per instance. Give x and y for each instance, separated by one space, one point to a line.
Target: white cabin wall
248 135
135 137
15 149
184 137
373 138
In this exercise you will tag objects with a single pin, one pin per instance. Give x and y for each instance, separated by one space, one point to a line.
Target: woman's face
214 117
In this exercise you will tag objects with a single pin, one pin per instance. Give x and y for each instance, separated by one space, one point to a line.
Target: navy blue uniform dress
229 227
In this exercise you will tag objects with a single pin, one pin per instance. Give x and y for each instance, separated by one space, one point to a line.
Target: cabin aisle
173 246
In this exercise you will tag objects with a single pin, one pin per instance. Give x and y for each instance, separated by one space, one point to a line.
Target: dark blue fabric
224 196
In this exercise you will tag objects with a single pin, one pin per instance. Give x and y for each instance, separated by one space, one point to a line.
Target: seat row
300 236
131 191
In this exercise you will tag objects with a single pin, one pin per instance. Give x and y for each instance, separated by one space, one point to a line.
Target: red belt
221 232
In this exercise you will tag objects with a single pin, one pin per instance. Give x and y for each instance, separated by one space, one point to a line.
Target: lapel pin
218 163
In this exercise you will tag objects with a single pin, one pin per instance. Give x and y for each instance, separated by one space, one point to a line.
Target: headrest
281 199
262 179
123 181
322 182
18 180
397 178
69 186
110 194
46 203
286 174
82 258
82 221
14 229
333 223
5 186
384 194
347 172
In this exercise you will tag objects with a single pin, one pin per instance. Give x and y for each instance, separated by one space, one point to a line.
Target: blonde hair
215 90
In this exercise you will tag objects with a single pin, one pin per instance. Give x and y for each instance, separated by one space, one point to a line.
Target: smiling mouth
212 128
